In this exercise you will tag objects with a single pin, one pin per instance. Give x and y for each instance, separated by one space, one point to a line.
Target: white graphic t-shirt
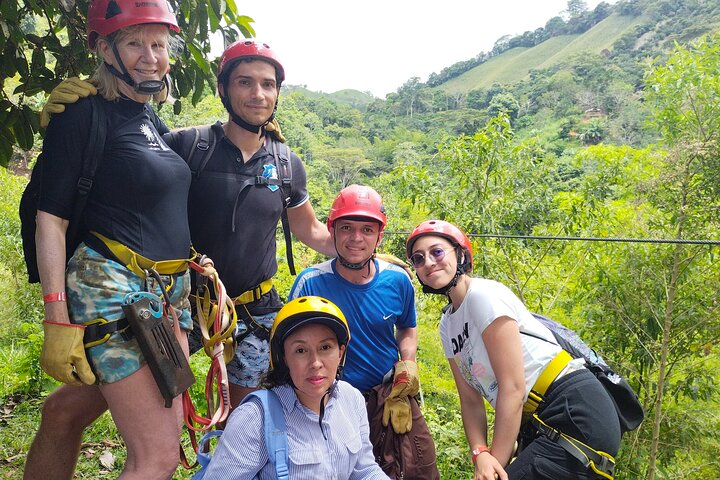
461 335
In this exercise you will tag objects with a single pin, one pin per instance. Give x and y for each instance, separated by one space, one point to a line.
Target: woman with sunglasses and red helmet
325 418
500 353
137 209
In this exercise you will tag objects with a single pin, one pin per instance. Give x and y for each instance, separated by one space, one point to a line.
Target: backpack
31 194
201 151
275 436
628 407
401 456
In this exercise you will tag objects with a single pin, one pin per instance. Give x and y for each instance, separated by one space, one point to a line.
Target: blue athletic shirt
373 311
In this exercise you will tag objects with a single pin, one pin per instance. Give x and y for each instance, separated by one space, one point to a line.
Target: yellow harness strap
208 311
137 264
254 293
599 462
548 375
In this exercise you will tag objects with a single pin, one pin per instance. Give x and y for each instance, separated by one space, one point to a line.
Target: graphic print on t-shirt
270 171
154 141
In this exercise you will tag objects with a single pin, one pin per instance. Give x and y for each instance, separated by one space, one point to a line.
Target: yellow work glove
405 381
63 354
274 128
69 91
397 405
397 411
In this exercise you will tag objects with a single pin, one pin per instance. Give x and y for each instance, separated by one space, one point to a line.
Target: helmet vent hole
112 10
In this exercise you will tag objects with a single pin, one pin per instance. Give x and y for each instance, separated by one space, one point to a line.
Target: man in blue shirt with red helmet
378 300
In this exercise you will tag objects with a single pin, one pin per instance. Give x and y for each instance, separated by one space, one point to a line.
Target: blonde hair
108 84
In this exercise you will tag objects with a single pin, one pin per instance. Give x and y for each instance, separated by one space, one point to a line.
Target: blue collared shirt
346 454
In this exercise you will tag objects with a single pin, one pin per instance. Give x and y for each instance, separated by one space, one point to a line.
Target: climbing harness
546 378
599 462
99 331
138 264
254 293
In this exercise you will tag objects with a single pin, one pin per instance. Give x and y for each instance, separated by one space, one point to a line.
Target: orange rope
218 344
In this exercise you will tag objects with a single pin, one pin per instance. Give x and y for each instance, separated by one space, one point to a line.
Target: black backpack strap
201 150
284 167
93 152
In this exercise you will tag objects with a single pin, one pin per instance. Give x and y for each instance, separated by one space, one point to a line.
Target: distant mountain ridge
348 96
633 29
515 64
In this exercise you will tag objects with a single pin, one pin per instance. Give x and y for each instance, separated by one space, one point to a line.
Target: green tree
344 162
414 96
576 8
503 103
593 132
684 94
44 42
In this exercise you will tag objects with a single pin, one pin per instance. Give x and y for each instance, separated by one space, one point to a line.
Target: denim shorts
96 287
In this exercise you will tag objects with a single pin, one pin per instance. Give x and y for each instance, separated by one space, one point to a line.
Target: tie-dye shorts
96 287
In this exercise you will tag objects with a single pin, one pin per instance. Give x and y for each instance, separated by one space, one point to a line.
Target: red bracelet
477 451
55 297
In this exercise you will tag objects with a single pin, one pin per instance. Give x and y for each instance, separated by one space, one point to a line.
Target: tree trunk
665 345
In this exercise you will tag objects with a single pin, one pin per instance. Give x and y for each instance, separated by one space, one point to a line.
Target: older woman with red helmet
500 353
136 216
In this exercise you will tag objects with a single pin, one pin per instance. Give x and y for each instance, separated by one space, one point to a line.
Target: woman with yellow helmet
327 426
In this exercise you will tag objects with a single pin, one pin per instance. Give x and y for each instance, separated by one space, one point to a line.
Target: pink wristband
55 297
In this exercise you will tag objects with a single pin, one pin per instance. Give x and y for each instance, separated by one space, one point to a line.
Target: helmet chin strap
148 87
460 269
442 290
353 266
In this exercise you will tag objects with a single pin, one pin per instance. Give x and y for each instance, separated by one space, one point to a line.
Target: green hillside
515 64
348 96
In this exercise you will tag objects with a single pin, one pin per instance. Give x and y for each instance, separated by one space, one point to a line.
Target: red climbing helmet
443 229
357 201
249 49
108 16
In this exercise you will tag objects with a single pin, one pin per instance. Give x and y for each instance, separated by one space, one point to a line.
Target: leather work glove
397 411
63 354
406 381
274 128
397 404
68 91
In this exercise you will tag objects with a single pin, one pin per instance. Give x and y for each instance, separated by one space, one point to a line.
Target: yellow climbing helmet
306 311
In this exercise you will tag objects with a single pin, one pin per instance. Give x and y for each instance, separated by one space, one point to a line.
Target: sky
378 45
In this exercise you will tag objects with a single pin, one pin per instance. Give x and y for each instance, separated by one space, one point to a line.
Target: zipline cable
679 241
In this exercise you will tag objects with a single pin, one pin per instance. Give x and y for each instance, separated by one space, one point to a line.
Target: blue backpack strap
275 433
203 457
